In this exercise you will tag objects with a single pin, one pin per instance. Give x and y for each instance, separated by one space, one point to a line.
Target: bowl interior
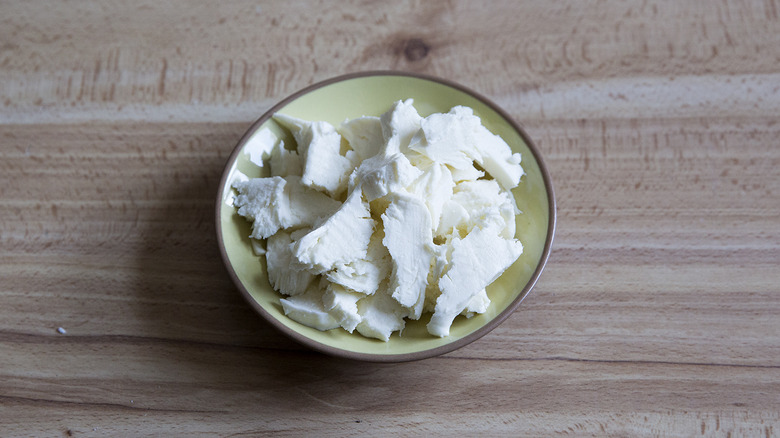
373 94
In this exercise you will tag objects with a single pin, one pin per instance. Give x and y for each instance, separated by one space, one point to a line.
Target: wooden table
659 310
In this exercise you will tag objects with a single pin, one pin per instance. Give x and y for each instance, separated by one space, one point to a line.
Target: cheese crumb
384 218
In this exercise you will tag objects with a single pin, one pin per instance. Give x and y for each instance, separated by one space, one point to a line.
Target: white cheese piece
340 239
489 150
435 187
478 202
477 260
440 262
257 246
276 203
453 215
409 240
364 135
285 274
364 275
446 139
399 125
258 148
382 315
324 167
478 304
308 310
307 206
495 156
508 211
259 200
341 304
319 146
469 173
284 162
237 176
382 175
457 138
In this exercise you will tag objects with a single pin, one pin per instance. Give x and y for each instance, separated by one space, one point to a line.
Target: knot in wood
415 49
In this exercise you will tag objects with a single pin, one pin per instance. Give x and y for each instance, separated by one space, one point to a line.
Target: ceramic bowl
373 93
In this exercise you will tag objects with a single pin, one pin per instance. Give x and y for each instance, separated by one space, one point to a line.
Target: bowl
372 93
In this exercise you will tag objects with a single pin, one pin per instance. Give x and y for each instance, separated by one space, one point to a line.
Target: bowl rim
390 357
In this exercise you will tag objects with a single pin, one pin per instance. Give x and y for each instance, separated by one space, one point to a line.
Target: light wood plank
657 313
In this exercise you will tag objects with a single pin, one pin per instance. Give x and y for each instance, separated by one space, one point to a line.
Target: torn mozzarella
476 261
409 240
319 146
340 239
364 135
307 206
399 125
284 272
382 175
276 203
365 274
285 162
259 200
495 156
476 203
427 222
382 315
260 146
308 310
478 304
446 139
435 186
341 304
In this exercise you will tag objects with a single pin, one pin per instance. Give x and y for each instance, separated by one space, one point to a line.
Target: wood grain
656 316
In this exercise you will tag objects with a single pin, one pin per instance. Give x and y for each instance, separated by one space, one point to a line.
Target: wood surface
657 315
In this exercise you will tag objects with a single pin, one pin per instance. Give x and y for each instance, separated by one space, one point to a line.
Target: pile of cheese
384 218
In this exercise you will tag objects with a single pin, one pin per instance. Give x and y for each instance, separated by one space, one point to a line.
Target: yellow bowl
373 93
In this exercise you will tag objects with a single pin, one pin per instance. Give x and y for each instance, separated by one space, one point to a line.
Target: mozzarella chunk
284 272
447 139
364 136
399 125
478 304
319 146
276 203
307 206
382 175
478 203
308 310
324 167
259 200
442 254
364 275
458 138
435 186
285 162
409 240
489 150
453 214
341 304
260 146
382 315
257 246
340 239
495 156
477 260
469 173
